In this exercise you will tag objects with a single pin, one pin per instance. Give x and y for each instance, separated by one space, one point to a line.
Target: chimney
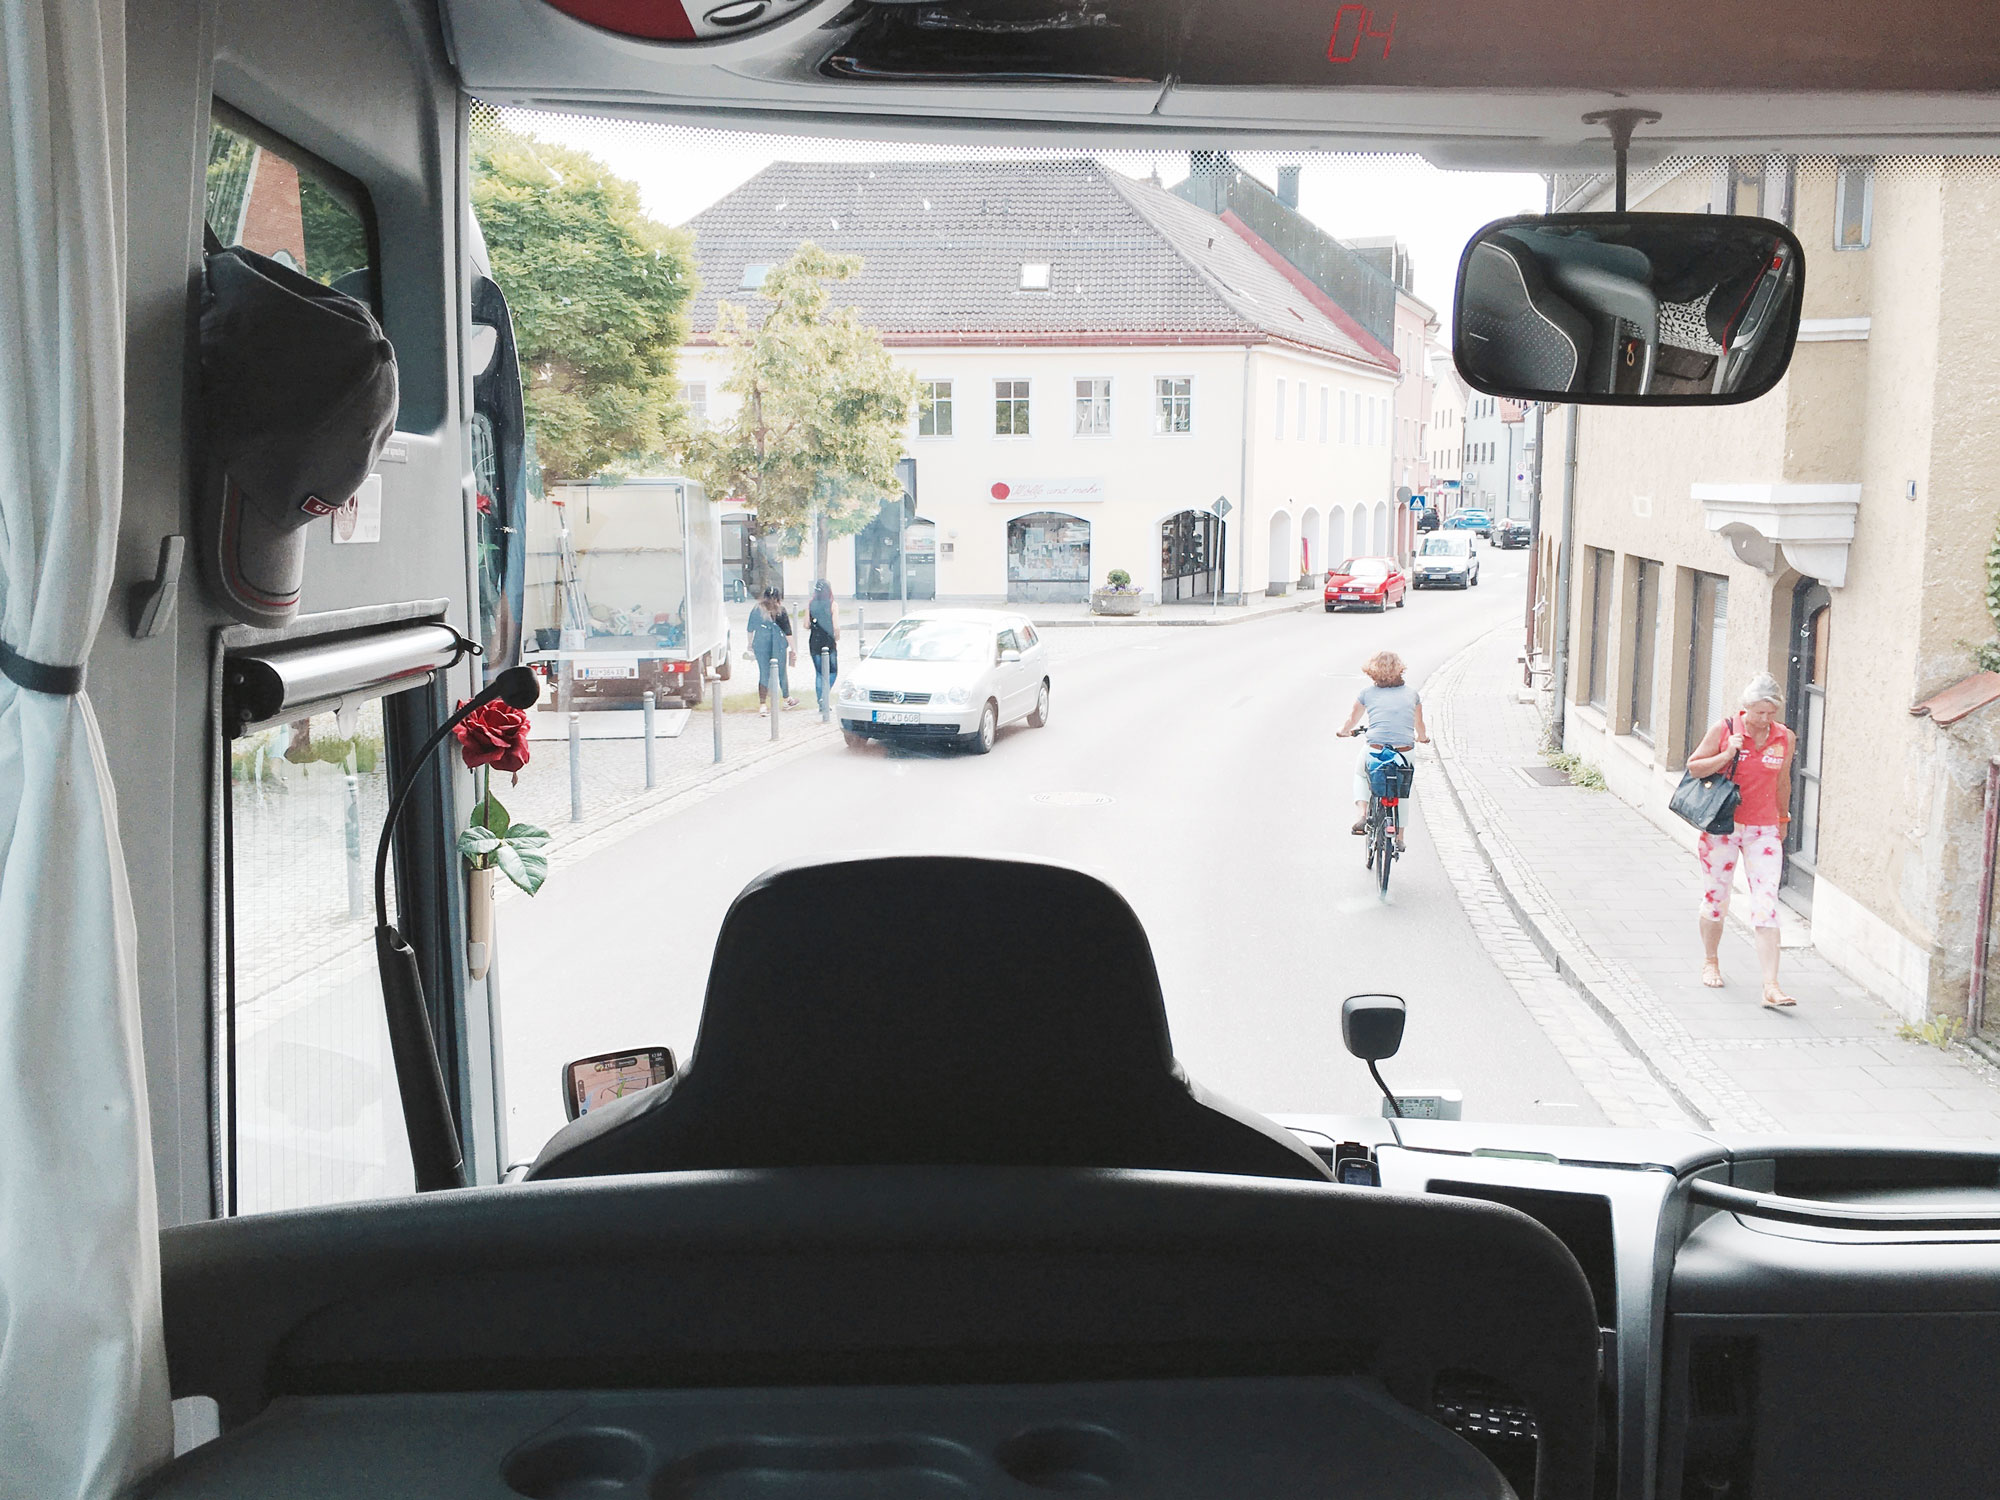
1288 186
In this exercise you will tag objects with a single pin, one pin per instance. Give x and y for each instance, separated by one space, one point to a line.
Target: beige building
1833 533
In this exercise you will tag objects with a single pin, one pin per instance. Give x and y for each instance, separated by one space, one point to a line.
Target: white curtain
83 1390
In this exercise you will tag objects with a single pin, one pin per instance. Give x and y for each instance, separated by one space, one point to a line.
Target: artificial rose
494 735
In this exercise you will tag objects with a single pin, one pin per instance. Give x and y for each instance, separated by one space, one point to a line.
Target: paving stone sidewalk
1610 901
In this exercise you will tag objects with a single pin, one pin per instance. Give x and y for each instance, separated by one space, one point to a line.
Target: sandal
1777 999
1711 974
1360 827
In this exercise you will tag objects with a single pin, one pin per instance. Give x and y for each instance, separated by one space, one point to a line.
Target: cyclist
1395 716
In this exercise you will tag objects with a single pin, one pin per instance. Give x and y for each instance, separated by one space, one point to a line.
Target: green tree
821 408
599 294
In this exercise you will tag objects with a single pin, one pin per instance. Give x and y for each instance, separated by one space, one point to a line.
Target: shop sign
1047 491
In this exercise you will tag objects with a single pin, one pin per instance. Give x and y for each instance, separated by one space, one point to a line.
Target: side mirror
1371 1026
484 347
591 1082
1007 656
1628 309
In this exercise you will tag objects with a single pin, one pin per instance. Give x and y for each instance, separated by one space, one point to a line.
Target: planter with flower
495 737
1117 597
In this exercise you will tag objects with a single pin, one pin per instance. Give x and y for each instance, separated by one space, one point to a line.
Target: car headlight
958 697
850 692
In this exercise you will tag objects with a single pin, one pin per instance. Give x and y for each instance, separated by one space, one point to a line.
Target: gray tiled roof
942 245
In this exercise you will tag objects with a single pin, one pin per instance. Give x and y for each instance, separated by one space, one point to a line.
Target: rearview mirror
1628 309
1371 1026
592 1082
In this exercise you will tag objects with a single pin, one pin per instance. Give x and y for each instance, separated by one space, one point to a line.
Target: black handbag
1709 802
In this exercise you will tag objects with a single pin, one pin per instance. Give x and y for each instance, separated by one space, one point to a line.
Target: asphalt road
1225 822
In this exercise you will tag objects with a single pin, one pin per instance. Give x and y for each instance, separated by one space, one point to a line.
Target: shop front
1191 556
1048 559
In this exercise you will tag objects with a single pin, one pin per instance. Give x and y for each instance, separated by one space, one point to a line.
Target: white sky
680 172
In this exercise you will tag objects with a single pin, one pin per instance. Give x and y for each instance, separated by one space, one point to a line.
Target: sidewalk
879 614
1611 900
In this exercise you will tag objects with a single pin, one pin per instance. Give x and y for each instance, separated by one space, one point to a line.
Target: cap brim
259 567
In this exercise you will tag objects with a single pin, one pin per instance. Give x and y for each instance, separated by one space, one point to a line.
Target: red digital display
1363 31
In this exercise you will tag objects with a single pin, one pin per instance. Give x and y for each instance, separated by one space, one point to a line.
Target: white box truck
624 592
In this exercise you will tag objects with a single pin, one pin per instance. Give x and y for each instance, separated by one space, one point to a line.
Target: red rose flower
494 735
484 502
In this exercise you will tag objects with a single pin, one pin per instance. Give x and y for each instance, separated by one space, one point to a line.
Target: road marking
1072 799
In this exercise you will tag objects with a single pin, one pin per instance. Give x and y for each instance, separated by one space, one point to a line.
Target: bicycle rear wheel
1385 853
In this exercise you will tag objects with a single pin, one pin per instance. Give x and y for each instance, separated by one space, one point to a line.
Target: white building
1444 438
1100 362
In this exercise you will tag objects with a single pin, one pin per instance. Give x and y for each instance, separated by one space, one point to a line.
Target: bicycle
1389 779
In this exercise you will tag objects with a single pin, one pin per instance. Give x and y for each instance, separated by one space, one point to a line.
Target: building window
1645 627
694 396
285 207
1173 405
1278 413
1304 424
1035 276
1761 187
1093 408
1324 403
1853 205
934 408
1600 624
1010 408
753 277
1708 621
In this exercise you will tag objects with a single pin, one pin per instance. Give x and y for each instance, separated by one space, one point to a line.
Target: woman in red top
1756 750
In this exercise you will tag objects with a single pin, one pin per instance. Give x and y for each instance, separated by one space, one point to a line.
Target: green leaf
476 844
527 868
527 836
488 814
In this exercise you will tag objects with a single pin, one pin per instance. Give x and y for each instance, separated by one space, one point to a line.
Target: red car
1364 581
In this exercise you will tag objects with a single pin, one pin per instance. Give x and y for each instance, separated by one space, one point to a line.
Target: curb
1232 616
1577 965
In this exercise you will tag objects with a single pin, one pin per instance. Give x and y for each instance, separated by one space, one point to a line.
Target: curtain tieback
39 676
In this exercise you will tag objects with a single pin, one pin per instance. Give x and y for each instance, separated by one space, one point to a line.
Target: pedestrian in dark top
771 644
823 640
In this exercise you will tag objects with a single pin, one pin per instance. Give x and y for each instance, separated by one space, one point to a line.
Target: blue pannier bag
1389 774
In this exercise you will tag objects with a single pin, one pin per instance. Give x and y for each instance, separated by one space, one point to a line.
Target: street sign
1221 507
1402 494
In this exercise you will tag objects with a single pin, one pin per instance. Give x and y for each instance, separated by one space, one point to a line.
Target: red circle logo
1001 492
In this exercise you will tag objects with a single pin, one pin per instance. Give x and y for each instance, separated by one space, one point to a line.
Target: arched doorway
877 548
1805 713
1336 536
1281 553
1381 547
1192 555
1311 557
1048 559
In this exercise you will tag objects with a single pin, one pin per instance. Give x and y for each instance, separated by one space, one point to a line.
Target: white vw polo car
954 675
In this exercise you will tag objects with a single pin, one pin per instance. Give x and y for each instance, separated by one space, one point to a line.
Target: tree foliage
599 296
821 409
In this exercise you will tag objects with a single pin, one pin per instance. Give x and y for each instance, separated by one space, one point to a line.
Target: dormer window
1034 276
753 277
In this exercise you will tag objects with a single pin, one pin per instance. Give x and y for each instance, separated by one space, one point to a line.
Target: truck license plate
891 718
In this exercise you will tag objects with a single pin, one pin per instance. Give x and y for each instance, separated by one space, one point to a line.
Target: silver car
949 675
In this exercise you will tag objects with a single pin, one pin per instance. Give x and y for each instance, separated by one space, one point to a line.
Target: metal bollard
715 713
860 631
826 693
646 707
575 767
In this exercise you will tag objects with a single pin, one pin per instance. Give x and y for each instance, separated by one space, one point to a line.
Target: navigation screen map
597 1081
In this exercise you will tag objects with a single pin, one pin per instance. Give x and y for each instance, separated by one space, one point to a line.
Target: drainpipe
1565 568
1975 1001
1243 487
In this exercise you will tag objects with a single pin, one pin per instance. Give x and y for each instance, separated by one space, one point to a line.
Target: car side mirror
1007 656
592 1082
1628 309
1371 1026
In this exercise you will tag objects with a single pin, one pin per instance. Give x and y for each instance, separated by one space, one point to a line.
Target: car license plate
894 718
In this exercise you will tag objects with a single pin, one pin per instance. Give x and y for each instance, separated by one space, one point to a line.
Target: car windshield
1170 396
934 640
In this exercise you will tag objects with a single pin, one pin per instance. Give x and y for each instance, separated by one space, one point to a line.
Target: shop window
1599 583
934 408
1010 408
1708 625
279 202
1093 407
1173 405
1645 638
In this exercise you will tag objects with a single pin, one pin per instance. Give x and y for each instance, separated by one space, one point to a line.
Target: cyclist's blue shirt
1392 714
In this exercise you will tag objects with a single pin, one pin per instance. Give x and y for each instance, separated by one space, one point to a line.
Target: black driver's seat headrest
928 1010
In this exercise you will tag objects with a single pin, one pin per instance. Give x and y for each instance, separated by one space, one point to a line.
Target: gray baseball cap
298 395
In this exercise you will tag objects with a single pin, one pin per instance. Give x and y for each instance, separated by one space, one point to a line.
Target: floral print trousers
1762 851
